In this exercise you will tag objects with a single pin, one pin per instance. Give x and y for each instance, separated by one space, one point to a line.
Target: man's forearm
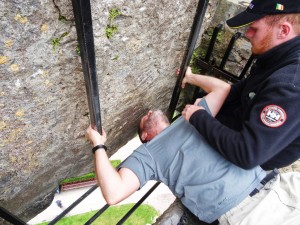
217 91
115 185
207 83
107 176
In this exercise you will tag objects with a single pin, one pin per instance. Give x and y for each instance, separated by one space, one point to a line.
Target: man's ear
284 30
144 136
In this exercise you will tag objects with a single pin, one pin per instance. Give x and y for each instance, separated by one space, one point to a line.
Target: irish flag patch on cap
279 7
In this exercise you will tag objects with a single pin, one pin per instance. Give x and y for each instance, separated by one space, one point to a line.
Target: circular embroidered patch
273 116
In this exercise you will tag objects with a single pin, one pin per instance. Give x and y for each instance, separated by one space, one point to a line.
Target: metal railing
208 66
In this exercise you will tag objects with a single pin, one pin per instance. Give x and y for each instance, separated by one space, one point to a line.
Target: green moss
111 28
115 57
77 49
62 18
113 13
57 41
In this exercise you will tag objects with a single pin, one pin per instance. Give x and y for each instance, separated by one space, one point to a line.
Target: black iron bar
245 69
212 42
84 28
195 30
207 58
6 215
94 217
216 71
138 204
80 199
229 48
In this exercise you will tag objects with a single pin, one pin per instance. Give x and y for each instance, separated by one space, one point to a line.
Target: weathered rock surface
43 102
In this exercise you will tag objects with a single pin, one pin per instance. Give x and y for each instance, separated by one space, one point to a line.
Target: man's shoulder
288 74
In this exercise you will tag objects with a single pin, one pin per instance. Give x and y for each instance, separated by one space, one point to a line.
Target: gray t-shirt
207 184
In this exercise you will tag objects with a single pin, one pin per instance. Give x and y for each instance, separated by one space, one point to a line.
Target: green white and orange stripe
279 7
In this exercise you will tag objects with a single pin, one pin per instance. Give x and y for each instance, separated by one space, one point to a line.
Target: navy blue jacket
259 123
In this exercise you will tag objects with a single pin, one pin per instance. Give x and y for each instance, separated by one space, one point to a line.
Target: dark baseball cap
258 9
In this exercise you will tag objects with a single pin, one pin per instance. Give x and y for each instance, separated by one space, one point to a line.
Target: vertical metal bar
229 48
57 218
6 215
195 30
248 64
207 57
84 28
212 42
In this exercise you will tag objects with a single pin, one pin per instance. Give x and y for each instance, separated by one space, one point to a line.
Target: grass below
87 176
144 214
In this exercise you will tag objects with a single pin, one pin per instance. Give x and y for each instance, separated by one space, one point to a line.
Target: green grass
88 176
144 214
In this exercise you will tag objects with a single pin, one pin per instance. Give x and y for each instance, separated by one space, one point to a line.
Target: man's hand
188 74
94 136
115 185
189 110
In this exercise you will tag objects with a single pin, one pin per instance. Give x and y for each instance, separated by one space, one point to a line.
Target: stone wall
43 103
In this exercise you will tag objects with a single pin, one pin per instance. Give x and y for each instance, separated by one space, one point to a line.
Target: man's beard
264 45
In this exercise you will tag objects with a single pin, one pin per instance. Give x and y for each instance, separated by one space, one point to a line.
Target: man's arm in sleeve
258 141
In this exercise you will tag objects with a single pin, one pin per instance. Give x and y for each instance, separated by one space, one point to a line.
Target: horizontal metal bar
217 71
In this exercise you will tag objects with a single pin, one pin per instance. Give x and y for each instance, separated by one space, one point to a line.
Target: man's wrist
100 146
98 143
